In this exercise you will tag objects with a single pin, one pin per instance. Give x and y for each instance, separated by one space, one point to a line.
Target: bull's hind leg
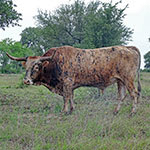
121 95
134 95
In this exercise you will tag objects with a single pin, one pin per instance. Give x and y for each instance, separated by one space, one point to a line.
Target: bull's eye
36 68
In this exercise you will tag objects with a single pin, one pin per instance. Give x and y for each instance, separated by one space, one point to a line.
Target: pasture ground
31 119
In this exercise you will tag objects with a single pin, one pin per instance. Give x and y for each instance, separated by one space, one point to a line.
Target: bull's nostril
26 81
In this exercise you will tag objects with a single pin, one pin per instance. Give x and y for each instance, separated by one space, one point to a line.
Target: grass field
31 119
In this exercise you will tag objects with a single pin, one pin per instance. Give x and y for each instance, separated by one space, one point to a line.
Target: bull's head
33 66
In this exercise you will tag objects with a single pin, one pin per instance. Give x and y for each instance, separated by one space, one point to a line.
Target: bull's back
76 59
100 57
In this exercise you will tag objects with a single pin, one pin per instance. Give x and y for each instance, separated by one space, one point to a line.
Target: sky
137 18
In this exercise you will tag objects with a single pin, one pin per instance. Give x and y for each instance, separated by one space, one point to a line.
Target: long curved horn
47 58
17 58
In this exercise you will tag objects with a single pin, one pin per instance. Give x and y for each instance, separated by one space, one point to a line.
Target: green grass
31 119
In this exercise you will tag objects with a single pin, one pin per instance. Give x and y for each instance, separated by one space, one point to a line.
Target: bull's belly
99 83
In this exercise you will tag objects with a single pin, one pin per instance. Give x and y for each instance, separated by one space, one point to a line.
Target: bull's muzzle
27 81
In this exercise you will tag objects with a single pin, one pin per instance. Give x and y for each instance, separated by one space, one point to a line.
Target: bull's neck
56 90
50 79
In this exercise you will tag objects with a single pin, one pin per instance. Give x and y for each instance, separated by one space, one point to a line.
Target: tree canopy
32 37
91 25
15 49
82 25
147 59
8 14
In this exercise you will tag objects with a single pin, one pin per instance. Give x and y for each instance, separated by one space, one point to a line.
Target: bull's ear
24 64
45 63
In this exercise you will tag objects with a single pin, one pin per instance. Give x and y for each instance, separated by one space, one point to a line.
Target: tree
15 49
82 25
8 14
32 37
147 60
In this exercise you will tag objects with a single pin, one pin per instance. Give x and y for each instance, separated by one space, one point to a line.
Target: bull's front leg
68 97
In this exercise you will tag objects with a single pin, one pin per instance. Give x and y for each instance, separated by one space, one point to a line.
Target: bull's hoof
65 113
97 96
115 113
132 114
70 112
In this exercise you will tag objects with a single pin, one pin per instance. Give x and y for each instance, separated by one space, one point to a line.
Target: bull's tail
138 70
138 76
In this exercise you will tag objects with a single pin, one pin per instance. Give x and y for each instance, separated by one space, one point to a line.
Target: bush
145 70
20 84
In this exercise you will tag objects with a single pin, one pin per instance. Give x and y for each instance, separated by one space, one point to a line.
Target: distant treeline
82 25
